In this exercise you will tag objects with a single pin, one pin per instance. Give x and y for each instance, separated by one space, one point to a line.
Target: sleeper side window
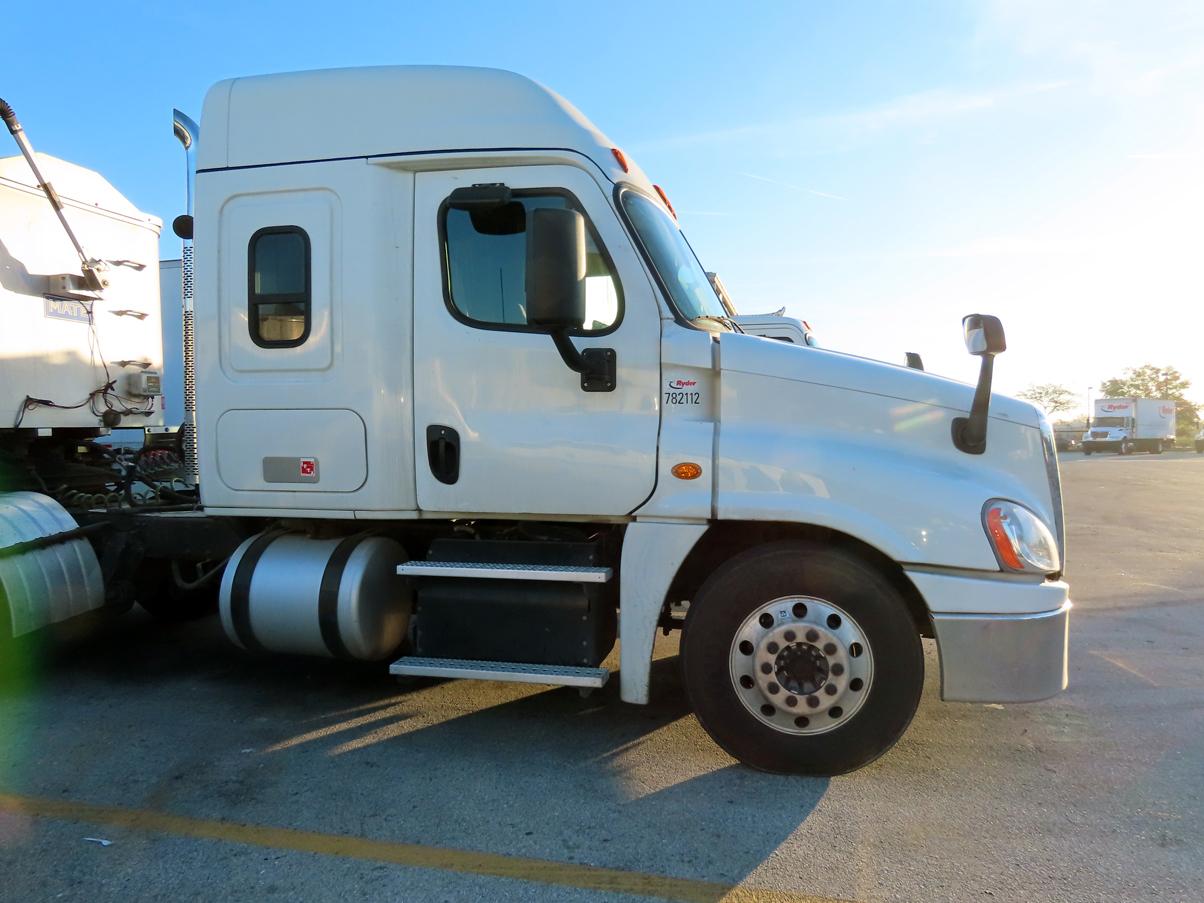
485 260
279 296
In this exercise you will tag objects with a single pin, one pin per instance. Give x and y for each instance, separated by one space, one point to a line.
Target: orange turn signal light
620 158
687 470
1001 540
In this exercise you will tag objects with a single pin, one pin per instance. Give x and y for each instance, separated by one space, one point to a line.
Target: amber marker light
621 158
665 198
687 470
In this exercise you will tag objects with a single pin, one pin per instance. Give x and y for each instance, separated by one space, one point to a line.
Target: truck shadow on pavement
512 769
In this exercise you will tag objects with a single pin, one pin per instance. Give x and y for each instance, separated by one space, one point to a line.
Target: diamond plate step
485 571
514 672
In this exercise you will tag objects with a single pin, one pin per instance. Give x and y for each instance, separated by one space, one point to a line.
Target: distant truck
769 326
1128 425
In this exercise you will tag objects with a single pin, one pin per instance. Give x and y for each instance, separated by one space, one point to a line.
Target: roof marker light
665 198
621 158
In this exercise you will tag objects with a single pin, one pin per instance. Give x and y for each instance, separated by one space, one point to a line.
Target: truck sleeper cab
464 380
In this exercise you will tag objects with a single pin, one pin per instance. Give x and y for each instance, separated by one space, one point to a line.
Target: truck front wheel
802 659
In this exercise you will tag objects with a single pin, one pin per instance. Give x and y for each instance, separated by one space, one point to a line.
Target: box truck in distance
468 405
1128 425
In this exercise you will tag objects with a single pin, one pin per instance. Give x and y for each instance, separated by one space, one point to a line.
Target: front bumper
999 640
1102 445
1003 658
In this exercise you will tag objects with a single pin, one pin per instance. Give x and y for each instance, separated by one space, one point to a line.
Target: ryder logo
676 385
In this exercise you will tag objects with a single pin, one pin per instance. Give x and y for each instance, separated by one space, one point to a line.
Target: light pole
1089 388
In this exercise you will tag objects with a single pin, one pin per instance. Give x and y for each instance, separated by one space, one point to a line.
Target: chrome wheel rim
801 665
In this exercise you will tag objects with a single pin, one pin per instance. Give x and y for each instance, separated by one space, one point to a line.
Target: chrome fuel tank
338 598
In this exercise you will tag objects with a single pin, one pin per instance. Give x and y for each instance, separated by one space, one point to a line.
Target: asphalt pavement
151 761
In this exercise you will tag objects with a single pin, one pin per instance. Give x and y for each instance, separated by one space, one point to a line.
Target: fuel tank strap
240 590
328 596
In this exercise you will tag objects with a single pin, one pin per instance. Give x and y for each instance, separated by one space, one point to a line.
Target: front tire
845 663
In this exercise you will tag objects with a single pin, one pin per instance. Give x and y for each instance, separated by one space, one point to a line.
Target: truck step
482 570
514 672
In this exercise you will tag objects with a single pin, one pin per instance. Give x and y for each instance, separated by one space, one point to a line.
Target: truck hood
755 356
865 448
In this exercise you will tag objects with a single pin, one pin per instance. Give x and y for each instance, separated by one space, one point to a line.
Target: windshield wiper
726 321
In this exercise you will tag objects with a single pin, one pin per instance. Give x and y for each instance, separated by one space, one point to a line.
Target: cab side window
278 292
485 259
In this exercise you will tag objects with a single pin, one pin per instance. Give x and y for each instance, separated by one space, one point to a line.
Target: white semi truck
775 325
1128 425
466 404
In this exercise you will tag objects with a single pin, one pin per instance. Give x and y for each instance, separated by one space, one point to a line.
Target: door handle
443 453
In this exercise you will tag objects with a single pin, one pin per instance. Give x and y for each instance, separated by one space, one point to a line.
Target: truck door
502 425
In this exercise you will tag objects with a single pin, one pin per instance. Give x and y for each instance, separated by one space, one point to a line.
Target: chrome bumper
1003 657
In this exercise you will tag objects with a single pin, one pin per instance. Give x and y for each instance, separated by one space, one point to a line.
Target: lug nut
812 636
772 648
792 701
837 669
829 648
766 668
813 702
830 689
788 636
772 688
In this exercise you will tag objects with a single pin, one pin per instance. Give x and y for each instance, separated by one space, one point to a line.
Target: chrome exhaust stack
188 132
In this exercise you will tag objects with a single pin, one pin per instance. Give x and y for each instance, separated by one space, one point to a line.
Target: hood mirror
984 335
984 339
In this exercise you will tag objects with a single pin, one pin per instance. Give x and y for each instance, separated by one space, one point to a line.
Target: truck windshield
673 259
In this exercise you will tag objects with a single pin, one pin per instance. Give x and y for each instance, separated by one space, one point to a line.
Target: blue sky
879 169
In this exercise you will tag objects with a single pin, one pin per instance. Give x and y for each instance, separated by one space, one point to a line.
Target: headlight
1020 539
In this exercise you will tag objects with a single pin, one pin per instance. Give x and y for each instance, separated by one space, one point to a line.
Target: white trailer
80 354
72 357
468 405
1128 425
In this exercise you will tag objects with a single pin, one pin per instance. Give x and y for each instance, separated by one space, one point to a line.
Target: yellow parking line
468 862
